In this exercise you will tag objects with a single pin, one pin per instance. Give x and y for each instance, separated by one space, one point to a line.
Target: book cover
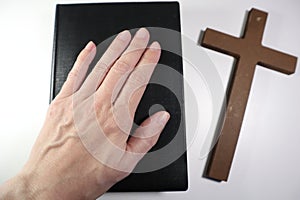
76 24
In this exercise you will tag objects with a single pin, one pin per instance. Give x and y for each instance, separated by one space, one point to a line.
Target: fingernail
142 33
164 117
154 46
89 46
124 35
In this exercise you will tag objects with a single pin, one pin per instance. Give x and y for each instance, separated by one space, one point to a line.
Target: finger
113 52
119 72
78 72
144 138
136 83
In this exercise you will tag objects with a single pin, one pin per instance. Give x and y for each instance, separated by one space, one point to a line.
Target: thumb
145 137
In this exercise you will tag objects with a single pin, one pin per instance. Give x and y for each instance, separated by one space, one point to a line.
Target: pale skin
63 163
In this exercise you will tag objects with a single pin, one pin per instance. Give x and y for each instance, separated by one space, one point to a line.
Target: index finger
98 74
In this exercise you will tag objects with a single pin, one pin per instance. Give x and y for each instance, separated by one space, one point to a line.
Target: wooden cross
249 52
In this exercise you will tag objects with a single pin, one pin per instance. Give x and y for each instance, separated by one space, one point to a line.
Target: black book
76 24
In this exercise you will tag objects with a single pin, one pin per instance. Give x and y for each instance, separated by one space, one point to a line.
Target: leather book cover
76 24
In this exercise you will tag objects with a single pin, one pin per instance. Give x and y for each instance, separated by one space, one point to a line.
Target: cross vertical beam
249 52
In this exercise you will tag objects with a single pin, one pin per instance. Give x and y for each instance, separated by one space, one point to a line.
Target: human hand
83 148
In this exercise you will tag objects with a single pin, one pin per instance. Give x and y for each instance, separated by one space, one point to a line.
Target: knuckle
136 48
100 67
138 79
101 106
149 142
57 109
108 126
73 74
121 66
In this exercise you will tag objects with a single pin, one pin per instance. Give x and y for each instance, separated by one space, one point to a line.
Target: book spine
54 55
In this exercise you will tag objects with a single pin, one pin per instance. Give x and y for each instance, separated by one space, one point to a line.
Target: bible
76 24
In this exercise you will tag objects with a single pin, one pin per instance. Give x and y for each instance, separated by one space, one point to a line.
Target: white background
267 161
